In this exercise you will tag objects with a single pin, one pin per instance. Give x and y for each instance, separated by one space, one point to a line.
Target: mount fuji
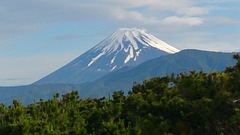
125 47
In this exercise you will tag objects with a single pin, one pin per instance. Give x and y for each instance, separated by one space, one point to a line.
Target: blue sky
39 36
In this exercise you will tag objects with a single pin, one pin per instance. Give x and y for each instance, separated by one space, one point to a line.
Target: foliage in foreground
189 103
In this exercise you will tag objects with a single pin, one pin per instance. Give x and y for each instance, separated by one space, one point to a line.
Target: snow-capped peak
132 41
117 39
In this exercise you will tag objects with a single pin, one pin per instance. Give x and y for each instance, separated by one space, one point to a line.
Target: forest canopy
188 103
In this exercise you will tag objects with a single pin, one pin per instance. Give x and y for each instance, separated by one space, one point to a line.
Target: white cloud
135 17
193 11
31 16
191 21
45 11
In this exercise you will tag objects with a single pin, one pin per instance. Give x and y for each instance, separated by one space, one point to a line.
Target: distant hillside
30 93
183 61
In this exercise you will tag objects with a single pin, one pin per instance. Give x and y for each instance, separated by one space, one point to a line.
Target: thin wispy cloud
193 11
65 37
191 21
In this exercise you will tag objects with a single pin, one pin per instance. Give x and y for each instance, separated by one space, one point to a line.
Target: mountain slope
125 47
183 61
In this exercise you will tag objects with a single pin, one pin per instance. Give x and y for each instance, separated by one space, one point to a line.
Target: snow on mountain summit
132 34
131 41
125 47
